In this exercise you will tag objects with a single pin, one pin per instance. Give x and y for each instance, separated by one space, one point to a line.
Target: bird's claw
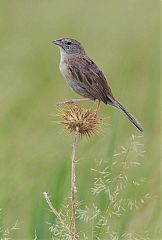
67 103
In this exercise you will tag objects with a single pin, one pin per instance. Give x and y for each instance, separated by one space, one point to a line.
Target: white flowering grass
7 233
111 183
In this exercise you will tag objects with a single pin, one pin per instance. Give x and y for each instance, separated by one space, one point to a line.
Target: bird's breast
64 69
70 78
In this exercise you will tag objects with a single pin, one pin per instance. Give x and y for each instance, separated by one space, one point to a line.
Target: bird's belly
72 82
77 88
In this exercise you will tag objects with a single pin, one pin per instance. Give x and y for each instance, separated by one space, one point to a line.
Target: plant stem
57 214
73 185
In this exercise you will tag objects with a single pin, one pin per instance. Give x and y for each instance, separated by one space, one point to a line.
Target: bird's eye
68 43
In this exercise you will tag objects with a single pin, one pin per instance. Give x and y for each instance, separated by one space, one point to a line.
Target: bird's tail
118 105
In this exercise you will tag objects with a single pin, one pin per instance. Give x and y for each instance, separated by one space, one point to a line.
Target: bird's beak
57 42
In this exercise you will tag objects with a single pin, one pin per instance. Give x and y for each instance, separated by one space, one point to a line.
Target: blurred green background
122 37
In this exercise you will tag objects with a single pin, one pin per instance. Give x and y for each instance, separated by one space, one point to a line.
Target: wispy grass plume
7 233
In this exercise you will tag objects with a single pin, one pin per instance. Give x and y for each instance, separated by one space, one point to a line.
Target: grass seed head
86 120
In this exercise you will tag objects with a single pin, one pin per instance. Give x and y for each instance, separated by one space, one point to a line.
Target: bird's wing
90 77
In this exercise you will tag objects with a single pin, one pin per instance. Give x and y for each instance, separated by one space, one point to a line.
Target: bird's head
69 46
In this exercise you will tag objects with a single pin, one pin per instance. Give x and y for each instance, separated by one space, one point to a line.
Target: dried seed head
75 117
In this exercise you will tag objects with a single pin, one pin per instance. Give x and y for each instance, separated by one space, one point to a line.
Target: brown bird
85 78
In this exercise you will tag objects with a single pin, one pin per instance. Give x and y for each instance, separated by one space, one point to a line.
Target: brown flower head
75 117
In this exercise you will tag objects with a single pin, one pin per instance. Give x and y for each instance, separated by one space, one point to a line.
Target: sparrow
85 77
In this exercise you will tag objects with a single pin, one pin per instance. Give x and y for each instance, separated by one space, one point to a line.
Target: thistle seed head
86 120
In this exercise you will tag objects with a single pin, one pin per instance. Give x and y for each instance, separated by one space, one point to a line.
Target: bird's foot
71 101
